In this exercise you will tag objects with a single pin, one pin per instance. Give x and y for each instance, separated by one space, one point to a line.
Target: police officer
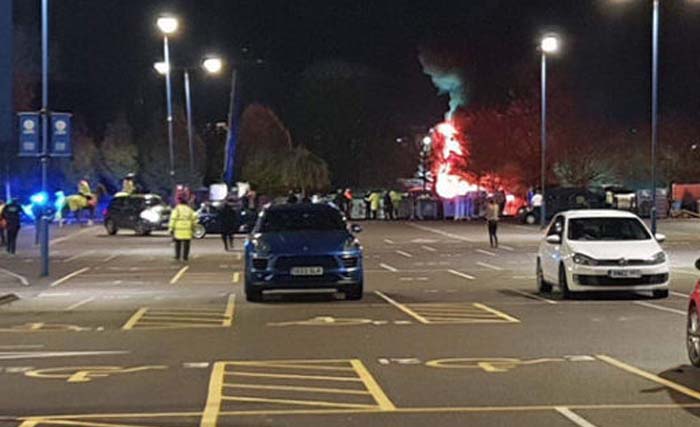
11 216
182 222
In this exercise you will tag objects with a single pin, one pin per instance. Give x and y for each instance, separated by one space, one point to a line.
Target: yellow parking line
236 277
655 378
293 376
372 386
294 366
298 402
403 308
500 314
135 318
212 408
230 310
179 274
297 388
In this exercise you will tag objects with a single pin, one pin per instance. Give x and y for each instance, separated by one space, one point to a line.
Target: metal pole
230 160
43 222
543 130
188 102
169 106
654 108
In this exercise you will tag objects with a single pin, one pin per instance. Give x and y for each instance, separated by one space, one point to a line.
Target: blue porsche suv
303 247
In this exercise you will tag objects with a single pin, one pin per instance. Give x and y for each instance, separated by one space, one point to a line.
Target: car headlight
150 215
658 258
261 247
351 244
584 260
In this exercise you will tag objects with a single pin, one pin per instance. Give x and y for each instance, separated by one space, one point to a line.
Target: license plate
306 271
625 273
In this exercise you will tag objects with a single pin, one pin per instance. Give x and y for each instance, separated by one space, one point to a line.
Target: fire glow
450 150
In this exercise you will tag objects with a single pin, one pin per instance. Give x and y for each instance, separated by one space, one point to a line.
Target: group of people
388 202
9 224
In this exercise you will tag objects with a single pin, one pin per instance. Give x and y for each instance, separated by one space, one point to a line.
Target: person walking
2 224
492 211
388 207
229 221
182 222
11 216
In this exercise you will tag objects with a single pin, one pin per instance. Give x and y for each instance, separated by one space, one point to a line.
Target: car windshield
301 220
608 229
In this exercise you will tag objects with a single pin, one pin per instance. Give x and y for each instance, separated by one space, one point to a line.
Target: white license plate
625 273
306 271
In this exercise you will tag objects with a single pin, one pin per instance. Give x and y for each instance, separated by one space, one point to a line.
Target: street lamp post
43 231
654 107
548 45
168 25
188 106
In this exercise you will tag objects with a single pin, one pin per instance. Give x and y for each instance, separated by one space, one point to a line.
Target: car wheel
354 292
140 229
111 227
530 219
542 286
660 293
199 231
251 294
693 336
563 284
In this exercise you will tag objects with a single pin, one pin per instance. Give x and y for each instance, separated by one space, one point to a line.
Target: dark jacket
229 218
11 215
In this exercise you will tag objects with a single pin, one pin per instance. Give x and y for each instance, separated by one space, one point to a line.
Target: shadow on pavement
688 376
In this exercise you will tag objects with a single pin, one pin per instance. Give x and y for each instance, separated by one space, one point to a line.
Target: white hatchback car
601 250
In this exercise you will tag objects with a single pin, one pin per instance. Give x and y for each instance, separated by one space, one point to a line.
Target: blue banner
61 135
29 135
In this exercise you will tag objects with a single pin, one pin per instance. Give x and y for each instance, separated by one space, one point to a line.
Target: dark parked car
210 220
303 247
142 213
564 199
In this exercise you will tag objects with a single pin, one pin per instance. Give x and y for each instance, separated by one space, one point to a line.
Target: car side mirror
356 228
553 239
660 237
697 263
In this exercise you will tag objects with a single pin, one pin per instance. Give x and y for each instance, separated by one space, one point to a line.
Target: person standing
2 224
182 222
492 211
375 200
11 216
229 221
388 207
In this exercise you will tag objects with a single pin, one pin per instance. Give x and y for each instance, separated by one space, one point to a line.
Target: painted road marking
492 267
403 308
491 364
481 251
68 237
460 274
655 378
508 248
78 256
429 248
404 254
388 267
69 276
177 318
336 321
110 258
661 308
179 274
389 241
573 417
23 280
533 296
292 386
79 303
84 374
8 355
442 233
236 277
43 327
679 294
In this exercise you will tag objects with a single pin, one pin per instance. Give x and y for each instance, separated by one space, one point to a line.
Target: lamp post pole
188 104
43 231
169 107
654 107
543 139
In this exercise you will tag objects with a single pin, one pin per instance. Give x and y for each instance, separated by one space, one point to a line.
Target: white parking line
661 308
573 417
388 267
492 267
534 296
68 277
23 280
79 303
460 274
481 251
70 236
680 270
429 248
678 294
402 308
442 233
80 255
405 254
389 241
110 258
508 248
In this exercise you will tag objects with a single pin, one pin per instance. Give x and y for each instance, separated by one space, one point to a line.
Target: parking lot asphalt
449 332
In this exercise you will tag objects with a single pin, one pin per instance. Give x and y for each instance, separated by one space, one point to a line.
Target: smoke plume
448 76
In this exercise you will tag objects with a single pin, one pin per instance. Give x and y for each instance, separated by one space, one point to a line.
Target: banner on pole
29 134
61 135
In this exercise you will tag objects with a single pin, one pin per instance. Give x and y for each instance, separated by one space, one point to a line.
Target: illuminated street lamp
213 65
161 67
549 45
168 25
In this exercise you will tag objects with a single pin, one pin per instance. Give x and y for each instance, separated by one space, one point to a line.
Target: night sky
106 49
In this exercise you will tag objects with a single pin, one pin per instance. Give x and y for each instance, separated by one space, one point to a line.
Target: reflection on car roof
301 207
598 213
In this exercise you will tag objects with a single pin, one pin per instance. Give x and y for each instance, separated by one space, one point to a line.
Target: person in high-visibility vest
128 185
182 223
84 188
